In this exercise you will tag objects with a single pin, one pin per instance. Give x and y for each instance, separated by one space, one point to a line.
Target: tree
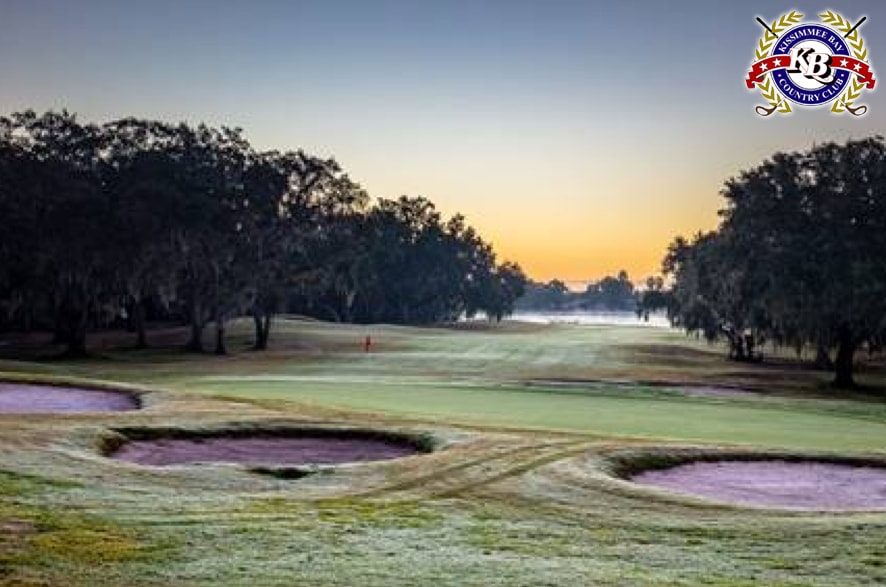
654 298
52 186
146 200
137 219
799 256
506 286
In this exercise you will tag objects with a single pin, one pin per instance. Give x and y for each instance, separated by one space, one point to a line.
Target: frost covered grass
527 417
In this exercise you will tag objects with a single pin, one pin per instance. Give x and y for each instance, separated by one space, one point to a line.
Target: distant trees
137 219
799 257
613 294
553 295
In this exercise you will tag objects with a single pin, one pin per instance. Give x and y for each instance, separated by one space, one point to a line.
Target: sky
579 137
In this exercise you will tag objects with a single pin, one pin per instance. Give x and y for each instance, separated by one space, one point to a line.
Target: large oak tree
799 257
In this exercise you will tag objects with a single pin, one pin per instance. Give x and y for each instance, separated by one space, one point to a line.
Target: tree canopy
799 257
119 223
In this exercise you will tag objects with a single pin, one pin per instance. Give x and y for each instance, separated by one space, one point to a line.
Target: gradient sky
578 136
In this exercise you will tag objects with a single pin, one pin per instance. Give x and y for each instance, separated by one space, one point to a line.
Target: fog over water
591 318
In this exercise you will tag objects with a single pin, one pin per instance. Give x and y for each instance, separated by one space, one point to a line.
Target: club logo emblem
811 64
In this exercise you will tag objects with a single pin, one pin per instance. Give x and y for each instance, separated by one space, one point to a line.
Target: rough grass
524 494
42 545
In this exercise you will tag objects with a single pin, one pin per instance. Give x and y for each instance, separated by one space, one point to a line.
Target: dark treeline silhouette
609 294
799 259
137 220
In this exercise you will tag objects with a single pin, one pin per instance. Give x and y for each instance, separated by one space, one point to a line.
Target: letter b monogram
812 65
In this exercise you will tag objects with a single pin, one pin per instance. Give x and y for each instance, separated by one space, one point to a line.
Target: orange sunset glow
572 164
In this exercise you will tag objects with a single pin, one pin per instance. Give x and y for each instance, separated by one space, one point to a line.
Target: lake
591 319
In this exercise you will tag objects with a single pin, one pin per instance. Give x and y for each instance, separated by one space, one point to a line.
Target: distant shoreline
590 318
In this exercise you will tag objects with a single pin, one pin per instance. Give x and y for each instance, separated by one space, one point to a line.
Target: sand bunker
262 450
17 398
777 483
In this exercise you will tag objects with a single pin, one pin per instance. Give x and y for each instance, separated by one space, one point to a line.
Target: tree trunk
736 347
60 333
266 334
220 338
138 318
823 360
750 346
76 333
28 320
77 345
72 318
333 313
262 322
219 329
259 331
195 344
843 366
348 310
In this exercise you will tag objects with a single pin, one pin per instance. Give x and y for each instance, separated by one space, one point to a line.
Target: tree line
135 220
611 293
799 259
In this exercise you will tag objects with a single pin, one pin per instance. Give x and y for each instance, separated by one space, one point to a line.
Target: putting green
614 412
